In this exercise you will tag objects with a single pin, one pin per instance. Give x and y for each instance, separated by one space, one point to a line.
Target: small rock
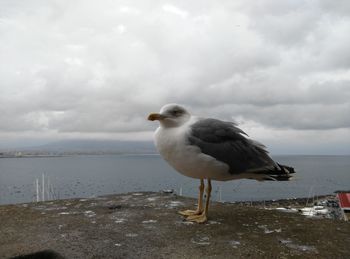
235 243
115 207
149 221
200 240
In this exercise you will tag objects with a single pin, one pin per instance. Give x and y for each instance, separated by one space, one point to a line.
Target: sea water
91 176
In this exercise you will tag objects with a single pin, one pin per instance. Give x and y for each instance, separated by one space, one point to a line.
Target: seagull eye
176 112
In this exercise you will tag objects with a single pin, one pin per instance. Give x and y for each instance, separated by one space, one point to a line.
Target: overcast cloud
97 68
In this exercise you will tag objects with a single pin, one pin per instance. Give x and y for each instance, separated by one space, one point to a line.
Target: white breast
188 159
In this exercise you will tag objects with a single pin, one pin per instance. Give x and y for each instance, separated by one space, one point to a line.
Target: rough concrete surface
146 225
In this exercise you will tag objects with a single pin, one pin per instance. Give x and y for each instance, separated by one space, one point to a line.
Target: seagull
211 149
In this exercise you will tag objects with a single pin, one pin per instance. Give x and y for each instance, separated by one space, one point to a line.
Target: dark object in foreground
45 254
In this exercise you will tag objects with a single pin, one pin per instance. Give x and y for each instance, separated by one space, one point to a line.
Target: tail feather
279 173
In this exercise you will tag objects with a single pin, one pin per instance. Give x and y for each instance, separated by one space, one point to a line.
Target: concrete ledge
146 225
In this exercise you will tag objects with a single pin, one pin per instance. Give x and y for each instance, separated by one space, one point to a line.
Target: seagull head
171 115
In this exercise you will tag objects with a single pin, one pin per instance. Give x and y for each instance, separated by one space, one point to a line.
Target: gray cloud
100 67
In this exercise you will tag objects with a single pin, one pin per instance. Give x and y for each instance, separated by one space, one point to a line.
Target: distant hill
96 146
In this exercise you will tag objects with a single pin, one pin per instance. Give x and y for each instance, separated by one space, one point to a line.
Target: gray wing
227 143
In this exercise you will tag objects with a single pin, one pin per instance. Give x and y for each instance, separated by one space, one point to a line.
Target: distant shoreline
76 154
30 156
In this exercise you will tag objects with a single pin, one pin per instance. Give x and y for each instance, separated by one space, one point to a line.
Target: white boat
313 211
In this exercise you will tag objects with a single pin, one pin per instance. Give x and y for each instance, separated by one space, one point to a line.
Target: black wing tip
286 169
280 173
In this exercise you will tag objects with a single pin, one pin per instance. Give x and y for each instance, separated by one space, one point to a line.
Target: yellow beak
155 116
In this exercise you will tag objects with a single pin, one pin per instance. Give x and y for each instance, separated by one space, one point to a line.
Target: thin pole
51 192
43 188
309 195
48 188
37 189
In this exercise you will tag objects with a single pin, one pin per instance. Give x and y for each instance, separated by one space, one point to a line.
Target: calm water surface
90 176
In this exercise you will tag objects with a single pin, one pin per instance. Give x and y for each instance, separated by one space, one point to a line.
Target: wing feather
227 143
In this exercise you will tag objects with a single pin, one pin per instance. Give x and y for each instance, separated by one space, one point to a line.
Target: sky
96 69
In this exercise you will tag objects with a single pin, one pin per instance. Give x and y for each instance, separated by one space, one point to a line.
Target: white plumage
172 144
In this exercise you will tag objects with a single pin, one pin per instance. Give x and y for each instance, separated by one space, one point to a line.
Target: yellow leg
199 209
203 217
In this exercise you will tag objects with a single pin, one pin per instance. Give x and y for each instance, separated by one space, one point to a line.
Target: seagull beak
155 116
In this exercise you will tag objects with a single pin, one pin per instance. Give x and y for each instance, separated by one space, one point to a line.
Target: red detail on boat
344 200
